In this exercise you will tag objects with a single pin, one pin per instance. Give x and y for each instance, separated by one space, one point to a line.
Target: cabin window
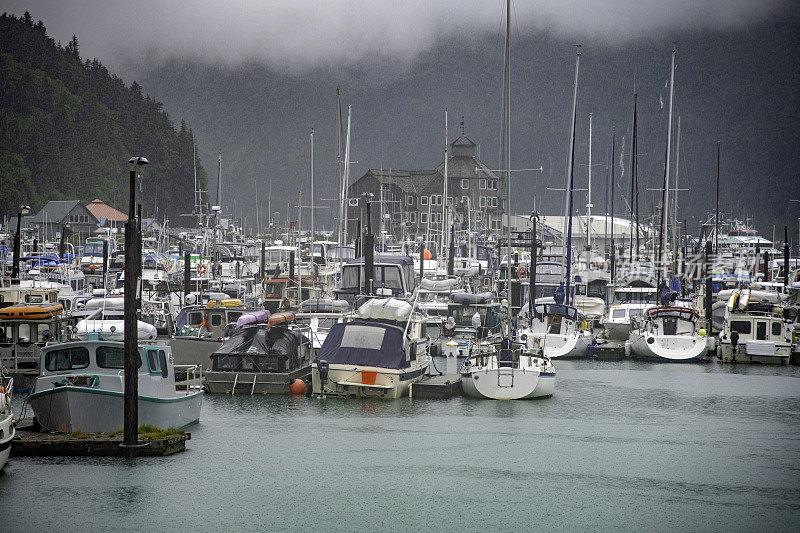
740 326
44 333
24 333
113 357
350 277
619 313
761 331
67 359
195 319
233 317
635 312
162 358
776 328
34 298
216 320
152 361
6 334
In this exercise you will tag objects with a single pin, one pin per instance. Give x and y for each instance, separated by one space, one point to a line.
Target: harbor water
621 446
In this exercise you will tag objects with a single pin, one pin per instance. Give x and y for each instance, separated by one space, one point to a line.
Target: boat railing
194 377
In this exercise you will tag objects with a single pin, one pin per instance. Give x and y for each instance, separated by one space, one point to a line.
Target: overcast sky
308 33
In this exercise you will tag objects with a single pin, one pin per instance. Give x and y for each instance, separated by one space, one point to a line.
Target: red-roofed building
103 211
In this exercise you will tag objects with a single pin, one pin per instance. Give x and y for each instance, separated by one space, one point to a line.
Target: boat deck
437 387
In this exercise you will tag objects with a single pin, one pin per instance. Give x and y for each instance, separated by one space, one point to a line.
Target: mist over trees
68 128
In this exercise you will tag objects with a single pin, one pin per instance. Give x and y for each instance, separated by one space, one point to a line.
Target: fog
308 33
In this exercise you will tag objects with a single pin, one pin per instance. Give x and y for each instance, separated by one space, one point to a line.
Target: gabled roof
56 210
100 209
463 140
412 181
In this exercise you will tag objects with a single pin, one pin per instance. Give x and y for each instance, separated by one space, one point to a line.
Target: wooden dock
607 350
28 442
436 387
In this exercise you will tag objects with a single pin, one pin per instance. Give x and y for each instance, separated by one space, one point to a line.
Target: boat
755 329
41 311
261 358
669 333
558 329
510 371
81 388
7 427
627 303
377 353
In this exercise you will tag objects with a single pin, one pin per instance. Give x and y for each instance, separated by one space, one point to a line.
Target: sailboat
510 371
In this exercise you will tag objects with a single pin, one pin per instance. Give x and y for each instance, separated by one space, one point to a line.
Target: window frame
465 183
482 184
423 200
48 361
409 199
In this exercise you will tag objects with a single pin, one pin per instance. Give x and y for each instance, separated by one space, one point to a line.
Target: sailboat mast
634 182
589 198
675 199
219 181
507 120
312 192
567 236
194 166
662 246
443 239
345 179
613 164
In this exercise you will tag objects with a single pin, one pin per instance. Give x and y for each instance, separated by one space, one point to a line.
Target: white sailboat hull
502 383
668 347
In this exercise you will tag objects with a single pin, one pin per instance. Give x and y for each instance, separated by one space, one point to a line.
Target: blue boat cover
365 343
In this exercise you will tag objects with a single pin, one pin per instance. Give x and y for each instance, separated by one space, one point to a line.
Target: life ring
521 272
201 268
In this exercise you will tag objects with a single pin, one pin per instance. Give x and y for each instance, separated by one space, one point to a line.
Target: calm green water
621 446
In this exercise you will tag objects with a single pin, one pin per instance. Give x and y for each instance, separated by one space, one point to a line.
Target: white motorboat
81 387
378 353
507 372
628 303
755 330
7 428
559 330
669 333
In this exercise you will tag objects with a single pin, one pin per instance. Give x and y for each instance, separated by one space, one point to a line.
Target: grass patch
149 432
80 435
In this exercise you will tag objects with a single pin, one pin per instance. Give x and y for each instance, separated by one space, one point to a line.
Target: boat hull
557 346
503 384
69 409
6 424
755 352
253 382
349 381
676 348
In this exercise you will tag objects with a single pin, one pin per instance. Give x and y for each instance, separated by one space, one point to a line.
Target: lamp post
23 210
130 440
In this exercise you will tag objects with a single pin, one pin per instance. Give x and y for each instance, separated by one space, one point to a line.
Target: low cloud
309 33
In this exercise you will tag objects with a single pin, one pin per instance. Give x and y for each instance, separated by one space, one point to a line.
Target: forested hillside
68 128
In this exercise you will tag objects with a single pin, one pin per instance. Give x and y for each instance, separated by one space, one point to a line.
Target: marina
336 291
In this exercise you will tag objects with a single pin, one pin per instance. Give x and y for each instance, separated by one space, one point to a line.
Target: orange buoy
298 386
426 254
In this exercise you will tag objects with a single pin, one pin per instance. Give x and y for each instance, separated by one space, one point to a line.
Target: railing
195 382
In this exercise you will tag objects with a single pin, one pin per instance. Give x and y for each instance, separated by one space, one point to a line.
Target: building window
492 201
423 200
412 217
493 185
464 183
483 202
423 218
436 218
409 200
496 224
450 201
483 183
465 200
436 199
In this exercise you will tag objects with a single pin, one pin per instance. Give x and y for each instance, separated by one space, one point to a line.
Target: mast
219 181
345 179
662 244
339 156
194 166
613 164
443 240
567 236
589 199
507 120
634 183
716 211
312 193
675 199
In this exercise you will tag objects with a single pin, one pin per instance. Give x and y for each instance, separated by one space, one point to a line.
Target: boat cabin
670 320
557 319
23 334
393 276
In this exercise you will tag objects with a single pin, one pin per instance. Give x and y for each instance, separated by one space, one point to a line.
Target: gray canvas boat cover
366 344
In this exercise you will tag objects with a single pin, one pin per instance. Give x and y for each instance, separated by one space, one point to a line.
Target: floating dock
606 350
30 443
436 387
